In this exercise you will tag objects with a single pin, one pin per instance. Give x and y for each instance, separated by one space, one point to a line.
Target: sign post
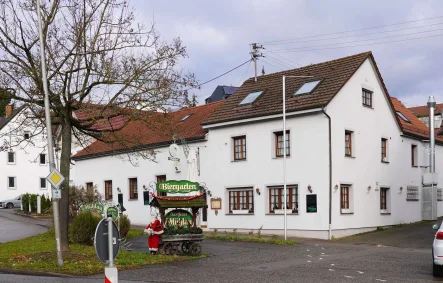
107 246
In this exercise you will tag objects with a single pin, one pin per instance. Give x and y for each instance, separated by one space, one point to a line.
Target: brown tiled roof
415 128
333 75
152 130
423 111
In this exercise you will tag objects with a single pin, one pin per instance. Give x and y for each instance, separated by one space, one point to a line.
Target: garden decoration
154 231
180 231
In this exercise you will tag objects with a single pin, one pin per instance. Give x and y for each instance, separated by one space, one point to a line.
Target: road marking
322 253
361 272
307 250
309 255
322 248
332 264
331 269
348 276
309 261
381 280
320 258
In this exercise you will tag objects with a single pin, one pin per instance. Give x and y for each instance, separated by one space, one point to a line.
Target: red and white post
111 274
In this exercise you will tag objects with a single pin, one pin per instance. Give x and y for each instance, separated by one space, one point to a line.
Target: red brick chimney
8 110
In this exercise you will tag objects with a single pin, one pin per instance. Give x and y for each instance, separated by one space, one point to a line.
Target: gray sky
218 33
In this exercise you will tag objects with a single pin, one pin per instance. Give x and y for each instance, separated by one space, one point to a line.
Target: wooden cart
180 243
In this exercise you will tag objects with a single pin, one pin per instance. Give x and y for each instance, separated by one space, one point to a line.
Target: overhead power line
366 44
353 35
246 70
219 75
267 50
269 63
341 32
357 41
278 61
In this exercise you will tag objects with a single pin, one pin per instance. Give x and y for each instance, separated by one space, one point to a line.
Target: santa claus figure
154 231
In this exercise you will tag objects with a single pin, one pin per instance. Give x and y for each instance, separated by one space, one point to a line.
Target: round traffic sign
101 241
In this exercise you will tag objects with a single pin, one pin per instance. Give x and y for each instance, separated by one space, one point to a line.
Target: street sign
101 241
55 178
56 194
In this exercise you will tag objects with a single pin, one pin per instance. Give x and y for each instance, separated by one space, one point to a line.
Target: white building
23 155
355 160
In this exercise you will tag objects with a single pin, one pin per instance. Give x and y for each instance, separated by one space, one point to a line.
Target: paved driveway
310 261
15 227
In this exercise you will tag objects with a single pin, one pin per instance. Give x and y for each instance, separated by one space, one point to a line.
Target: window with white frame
439 195
276 199
42 159
349 139
12 183
414 155
241 200
279 144
42 183
11 157
412 193
346 205
384 200
384 150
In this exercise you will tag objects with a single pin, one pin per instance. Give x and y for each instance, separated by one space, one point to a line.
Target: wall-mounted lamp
336 187
310 188
258 191
144 188
118 189
401 189
369 188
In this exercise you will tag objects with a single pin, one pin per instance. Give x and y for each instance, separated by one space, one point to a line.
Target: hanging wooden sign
216 203
178 218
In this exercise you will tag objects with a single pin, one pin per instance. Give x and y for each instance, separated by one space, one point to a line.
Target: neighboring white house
356 156
23 155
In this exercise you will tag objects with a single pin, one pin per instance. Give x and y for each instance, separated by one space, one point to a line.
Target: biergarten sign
99 208
178 187
178 218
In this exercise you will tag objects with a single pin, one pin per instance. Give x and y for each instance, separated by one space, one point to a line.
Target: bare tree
100 63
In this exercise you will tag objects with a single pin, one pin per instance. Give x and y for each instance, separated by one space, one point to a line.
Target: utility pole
255 55
49 135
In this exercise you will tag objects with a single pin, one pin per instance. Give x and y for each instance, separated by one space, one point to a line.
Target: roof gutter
330 171
261 118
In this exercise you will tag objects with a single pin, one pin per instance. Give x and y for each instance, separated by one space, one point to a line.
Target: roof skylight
307 87
403 117
251 97
186 117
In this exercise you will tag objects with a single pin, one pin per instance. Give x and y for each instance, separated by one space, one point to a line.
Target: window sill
132 199
412 199
240 214
240 211
238 160
350 156
346 211
11 163
281 157
414 166
287 213
385 212
12 188
386 162
367 106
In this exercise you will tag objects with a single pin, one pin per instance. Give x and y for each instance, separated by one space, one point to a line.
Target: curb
34 273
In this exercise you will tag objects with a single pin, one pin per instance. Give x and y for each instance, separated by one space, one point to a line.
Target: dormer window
307 87
186 117
251 97
403 117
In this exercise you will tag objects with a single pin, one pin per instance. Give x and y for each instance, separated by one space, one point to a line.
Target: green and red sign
178 217
99 208
177 187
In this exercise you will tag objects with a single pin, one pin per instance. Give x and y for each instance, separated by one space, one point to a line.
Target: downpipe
330 172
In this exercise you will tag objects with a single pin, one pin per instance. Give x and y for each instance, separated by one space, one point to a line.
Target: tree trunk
65 164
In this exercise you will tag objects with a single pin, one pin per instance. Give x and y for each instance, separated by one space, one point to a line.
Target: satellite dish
173 150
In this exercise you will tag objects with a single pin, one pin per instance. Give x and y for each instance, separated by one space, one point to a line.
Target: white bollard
30 205
39 205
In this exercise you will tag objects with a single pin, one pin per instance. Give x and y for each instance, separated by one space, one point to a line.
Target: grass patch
133 233
38 253
232 237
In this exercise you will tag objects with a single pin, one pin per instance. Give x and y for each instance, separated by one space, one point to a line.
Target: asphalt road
366 258
15 227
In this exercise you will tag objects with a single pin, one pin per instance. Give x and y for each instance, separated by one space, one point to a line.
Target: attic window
307 87
403 117
251 97
186 117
